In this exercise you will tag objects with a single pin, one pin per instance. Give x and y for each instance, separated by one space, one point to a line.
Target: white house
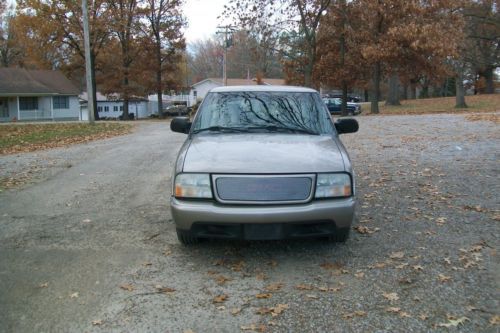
200 89
37 95
111 106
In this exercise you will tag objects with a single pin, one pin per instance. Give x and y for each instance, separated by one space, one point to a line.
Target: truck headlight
192 185
333 185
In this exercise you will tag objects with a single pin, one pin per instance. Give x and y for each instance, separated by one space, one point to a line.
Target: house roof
243 82
20 81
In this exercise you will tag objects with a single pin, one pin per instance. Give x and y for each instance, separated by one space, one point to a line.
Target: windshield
301 112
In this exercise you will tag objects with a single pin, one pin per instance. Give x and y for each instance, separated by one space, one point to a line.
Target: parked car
350 98
334 106
176 110
262 162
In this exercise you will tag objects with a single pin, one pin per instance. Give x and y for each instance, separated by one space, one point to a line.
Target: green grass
28 137
477 103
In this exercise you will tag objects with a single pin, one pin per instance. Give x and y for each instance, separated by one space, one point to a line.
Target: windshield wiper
273 128
221 129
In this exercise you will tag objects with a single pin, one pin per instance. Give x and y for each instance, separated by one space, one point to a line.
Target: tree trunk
94 85
413 91
366 96
490 83
460 98
125 108
405 91
375 96
158 78
125 115
393 96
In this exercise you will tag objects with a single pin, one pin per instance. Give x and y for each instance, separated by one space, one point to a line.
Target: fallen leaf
74 295
392 309
43 285
444 278
147 263
162 289
365 230
397 255
359 275
454 322
221 279
97 322
404 314
86 221
264 295
423 316
235 311
304 287
312 296
274 286
447 261
355 313
278 309
391 296
495 320
220 299
220 308
127 287
401 266
418 268
261 276
441 220
237 267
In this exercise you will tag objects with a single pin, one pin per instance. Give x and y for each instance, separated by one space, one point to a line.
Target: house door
4 108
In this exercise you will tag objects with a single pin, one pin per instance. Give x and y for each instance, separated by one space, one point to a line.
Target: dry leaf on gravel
454 322
235 311
43 285
312 296
74 295
418 268
397 255
304 287
391 296
444 278
220 299
495 320
359 275
97 322
274 286
264 295
353 314
273 311
393 310
127 286
403 314
423 316
441 220
221 279
162 289
365 230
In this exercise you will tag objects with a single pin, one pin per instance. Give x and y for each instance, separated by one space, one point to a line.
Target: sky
202 18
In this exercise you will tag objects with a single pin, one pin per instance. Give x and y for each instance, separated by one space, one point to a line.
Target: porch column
18 110
52 107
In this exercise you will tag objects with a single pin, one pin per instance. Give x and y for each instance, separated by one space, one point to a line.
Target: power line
226 30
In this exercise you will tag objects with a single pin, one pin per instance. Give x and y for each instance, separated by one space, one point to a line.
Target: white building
200 89
111 106
37 95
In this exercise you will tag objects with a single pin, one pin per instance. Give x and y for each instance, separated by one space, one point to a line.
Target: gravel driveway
89 245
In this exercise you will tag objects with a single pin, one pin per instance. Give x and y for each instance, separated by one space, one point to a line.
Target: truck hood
263 153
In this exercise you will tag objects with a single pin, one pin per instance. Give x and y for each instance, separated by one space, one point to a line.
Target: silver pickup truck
262 162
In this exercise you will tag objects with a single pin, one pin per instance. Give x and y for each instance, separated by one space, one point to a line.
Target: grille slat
265 189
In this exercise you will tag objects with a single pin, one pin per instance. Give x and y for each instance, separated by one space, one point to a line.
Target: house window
115 108
106 108
99 108
28 103
121 108
195 94
60 102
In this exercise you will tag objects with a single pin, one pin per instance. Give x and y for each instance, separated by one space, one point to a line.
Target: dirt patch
493 117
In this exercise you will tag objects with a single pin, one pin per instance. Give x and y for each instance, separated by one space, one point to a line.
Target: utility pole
226 30
88 69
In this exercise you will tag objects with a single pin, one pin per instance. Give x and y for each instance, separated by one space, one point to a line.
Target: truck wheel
340 236
186 238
